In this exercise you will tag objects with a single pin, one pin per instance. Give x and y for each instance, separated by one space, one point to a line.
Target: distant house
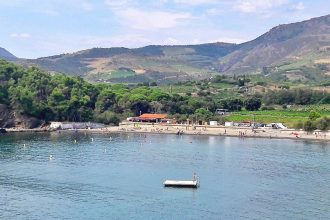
151 118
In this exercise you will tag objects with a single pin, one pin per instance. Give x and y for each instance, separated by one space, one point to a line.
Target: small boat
194 183
2 131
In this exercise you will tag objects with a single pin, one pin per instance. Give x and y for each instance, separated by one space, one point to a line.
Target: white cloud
214 11
172 41
299 6
87 6
252 6
144 20
196 2
195 41
48 12
20 35
118 4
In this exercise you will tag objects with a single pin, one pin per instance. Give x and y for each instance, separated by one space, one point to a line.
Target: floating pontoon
194 183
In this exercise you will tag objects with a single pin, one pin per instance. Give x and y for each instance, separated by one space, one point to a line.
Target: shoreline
203 130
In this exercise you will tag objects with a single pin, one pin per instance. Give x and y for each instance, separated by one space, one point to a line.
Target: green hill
291 52
151 63
287 51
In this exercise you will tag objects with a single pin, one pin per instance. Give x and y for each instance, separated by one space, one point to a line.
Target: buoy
51 157
24 145
92 139
110 138
75 140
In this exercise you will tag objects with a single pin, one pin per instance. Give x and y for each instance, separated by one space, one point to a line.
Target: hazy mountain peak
5 54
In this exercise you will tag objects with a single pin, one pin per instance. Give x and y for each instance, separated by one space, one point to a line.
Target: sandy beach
202 130
216 130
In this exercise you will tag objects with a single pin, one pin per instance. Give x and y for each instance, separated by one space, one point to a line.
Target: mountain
150 63
4 54
298 51
290 43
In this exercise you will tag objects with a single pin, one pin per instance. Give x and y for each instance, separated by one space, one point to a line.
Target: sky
37 28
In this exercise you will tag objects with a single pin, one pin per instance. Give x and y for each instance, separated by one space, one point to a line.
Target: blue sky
35 28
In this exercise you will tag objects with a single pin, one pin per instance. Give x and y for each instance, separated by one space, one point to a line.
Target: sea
78 175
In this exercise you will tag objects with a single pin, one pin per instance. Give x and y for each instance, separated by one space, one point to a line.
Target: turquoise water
121 178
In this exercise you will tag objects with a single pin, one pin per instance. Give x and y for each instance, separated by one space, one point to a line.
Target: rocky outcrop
6 117
10 119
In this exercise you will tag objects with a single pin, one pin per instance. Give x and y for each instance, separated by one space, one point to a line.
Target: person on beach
194 177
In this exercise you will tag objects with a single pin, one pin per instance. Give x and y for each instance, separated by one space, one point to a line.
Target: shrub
313 115
298 125
252 104
309 125
265 108
108 117
323 123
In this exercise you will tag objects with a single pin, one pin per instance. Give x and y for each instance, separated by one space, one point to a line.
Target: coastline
243 132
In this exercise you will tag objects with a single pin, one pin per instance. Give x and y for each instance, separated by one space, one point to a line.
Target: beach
243 132
182 129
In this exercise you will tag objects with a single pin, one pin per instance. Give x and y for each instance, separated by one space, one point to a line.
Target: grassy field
287 117
180 89
222 88
120 74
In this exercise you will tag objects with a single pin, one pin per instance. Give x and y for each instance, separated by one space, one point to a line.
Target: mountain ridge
280 36
5 54
295 51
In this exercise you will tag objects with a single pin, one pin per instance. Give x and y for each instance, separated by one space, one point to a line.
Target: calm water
99 178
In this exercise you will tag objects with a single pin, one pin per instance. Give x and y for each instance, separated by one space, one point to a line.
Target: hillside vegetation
30 97
151 63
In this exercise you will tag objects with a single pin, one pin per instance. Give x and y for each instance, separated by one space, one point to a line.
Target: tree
105 100
108 117
203 113
232 104
140 107
156 107
157 95
313 115
241 82
252 104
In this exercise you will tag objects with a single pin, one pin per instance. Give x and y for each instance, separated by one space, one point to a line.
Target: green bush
252 104
108 117
267 108
298 125
323 123
313 115
309 125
